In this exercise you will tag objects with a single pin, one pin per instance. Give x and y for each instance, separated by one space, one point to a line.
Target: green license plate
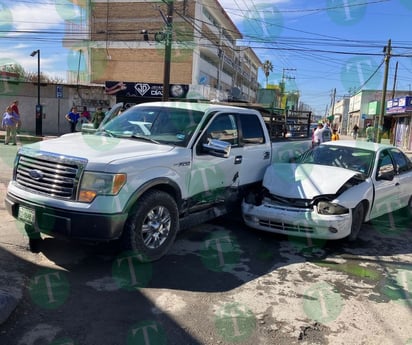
26 215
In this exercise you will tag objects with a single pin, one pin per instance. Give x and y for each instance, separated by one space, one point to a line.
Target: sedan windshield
161 125
352 158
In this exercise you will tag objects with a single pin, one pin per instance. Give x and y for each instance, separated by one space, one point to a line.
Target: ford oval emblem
36 175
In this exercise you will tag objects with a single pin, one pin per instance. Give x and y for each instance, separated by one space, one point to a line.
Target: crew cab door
213 176
255 155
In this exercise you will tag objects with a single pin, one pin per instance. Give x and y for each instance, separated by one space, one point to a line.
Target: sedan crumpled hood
305 181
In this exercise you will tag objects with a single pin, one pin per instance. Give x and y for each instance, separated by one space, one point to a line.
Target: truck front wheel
152 226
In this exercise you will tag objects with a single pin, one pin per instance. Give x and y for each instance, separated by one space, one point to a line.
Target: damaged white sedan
331 190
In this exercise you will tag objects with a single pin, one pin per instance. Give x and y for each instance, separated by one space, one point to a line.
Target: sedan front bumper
296 221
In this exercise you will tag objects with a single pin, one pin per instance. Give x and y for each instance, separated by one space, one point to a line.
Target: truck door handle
266 155
238 159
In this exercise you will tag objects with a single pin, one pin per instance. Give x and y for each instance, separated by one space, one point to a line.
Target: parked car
331 190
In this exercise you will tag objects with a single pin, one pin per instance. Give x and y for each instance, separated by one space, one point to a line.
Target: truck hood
305 181
98 148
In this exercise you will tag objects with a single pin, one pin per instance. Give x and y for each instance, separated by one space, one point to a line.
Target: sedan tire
358 217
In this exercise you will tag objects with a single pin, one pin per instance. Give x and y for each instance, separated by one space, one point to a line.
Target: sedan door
387 186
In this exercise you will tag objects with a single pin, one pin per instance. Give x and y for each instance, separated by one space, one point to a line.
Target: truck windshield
158 124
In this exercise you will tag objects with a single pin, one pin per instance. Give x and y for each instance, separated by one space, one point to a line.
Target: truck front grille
54 176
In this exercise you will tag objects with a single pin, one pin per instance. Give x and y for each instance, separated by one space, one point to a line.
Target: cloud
35 17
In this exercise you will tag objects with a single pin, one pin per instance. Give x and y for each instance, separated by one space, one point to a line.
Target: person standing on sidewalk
370 132
15 109
72 117
355 130
9 123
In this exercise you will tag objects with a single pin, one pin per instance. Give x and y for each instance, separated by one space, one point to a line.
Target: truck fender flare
162 183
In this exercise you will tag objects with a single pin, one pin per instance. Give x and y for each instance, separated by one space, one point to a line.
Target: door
387 186
256 151
212 178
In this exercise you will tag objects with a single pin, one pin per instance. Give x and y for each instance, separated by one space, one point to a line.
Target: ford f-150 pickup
154 169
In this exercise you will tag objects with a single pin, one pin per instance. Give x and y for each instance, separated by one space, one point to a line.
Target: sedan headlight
94 184
328 208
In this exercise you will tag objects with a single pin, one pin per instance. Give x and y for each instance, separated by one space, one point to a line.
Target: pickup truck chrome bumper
59 222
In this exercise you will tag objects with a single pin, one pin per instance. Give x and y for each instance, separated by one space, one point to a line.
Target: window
251 129
385 166
402 163
223 127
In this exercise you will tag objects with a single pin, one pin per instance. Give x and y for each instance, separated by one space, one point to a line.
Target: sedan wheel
358 217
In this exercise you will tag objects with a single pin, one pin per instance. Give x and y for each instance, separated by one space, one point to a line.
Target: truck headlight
328 208
93 184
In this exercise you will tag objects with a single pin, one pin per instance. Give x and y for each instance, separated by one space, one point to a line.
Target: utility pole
282 84
378 126
168 50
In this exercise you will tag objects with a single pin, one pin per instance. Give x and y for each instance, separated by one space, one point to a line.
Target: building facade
125 42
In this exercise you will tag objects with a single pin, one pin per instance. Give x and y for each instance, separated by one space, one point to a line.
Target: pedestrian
86 114
326 133
72 117
98 117
335 135
370 133
355 130
15 110
317 134
9 123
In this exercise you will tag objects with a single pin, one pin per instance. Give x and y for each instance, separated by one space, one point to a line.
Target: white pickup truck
156 168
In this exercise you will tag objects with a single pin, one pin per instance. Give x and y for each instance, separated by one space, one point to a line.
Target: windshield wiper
141 137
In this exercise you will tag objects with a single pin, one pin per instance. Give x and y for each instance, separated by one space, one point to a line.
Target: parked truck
149 172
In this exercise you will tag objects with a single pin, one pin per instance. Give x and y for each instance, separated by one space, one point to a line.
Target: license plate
26 215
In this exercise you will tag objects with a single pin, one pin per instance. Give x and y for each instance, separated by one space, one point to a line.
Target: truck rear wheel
152 226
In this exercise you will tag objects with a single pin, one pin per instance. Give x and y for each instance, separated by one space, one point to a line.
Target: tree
267 68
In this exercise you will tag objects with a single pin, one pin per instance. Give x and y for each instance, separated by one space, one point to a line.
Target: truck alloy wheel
152 226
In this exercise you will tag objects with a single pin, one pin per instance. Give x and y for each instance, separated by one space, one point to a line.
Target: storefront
400 111
136 93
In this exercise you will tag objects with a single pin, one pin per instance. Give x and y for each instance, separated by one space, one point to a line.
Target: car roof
366 145
198 106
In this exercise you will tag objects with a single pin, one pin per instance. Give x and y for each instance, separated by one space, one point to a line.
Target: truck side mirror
218 148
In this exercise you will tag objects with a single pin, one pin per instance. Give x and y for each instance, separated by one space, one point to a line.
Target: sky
316 46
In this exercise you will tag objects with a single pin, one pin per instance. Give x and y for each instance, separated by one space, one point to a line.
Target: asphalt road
222 283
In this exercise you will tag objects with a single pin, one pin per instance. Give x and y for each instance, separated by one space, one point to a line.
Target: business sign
399 105
144 90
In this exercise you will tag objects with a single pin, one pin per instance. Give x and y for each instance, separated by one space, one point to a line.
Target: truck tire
35 239
152 226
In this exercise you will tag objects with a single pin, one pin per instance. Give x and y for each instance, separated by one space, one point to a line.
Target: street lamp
39 111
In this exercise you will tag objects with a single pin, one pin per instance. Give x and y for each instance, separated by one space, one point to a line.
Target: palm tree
267 68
